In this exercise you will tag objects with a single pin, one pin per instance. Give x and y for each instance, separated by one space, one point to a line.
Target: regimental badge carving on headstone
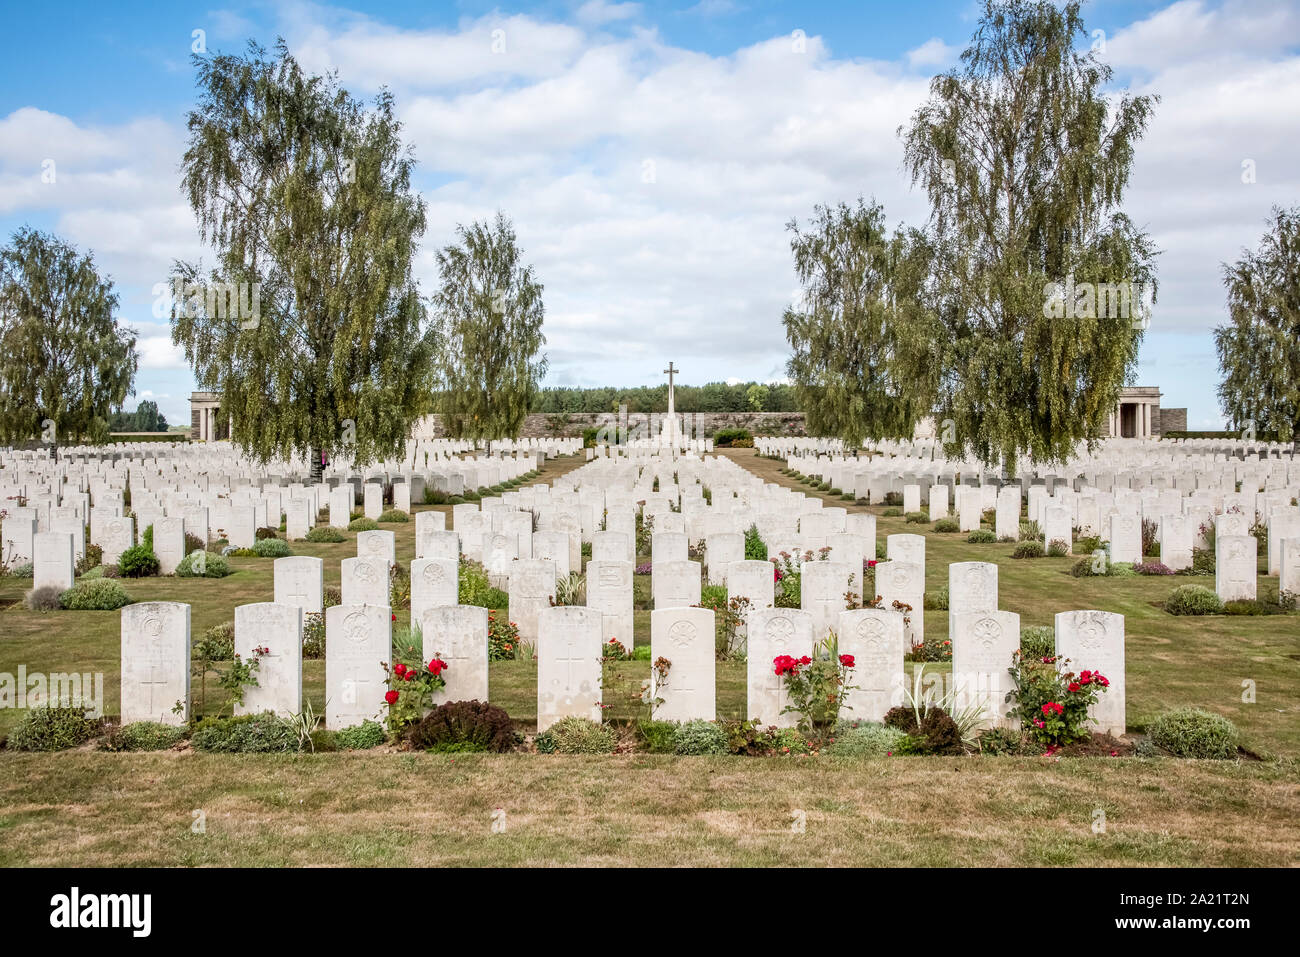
682 634
433 575
872 632
153 627
987 632
1092 631
779 633
365 573
354 627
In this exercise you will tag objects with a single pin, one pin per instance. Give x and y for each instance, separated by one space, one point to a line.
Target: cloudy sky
650 154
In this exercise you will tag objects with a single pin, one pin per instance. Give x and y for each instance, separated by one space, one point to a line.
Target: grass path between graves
91 809
1172 661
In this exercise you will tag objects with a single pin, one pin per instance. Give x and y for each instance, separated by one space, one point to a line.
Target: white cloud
157 352
932 53
599 12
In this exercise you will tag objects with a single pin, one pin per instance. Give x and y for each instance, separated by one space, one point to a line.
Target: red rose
399 669
391 697
1075 686
436 666
846 661
409 676
871 563
805 660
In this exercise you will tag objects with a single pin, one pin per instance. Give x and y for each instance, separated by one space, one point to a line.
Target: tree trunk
316 469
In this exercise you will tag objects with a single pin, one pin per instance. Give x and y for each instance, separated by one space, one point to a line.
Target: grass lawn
417 809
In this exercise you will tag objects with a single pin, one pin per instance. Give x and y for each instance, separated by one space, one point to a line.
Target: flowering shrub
503 638
930 651
644 568
817 686
410 691
1152 568
1052 703
615 650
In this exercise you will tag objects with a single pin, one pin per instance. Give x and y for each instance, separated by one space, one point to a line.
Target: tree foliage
64 363
863 333
1259 347
306 196
711 397
489 315
1025 159
145 418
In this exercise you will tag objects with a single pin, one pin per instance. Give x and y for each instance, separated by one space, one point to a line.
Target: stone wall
705 424
1172 420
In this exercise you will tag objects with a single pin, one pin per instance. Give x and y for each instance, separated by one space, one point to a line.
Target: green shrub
93 557
25 570
981 536
1193 600
713 596
936 600
326 533
1033 549
53 729
947 525
727 437
1193 733
45 598
892 512
474 587
217 643
574 735
313 635
247 734
790 741
138 561
1038 641
1004 741
362 524
1031 530
936 734
434 497
1089 544
1057 548
96 594
359 737
212 565
464 726
272 548
143 736
917 518
700 737
266 532
1202 562
1250 606
394 515
755 547
1096 564
323 740
866 740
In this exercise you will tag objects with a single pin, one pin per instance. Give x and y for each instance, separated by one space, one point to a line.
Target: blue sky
650 154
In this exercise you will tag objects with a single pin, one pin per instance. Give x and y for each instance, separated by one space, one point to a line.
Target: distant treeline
713 397
145 418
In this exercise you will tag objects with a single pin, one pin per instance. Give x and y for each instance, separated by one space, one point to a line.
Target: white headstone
773 632
684 636
277 629
435 582
300 581
875 639
568 664
156 662
457 634
358 640
609 590
1094 641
